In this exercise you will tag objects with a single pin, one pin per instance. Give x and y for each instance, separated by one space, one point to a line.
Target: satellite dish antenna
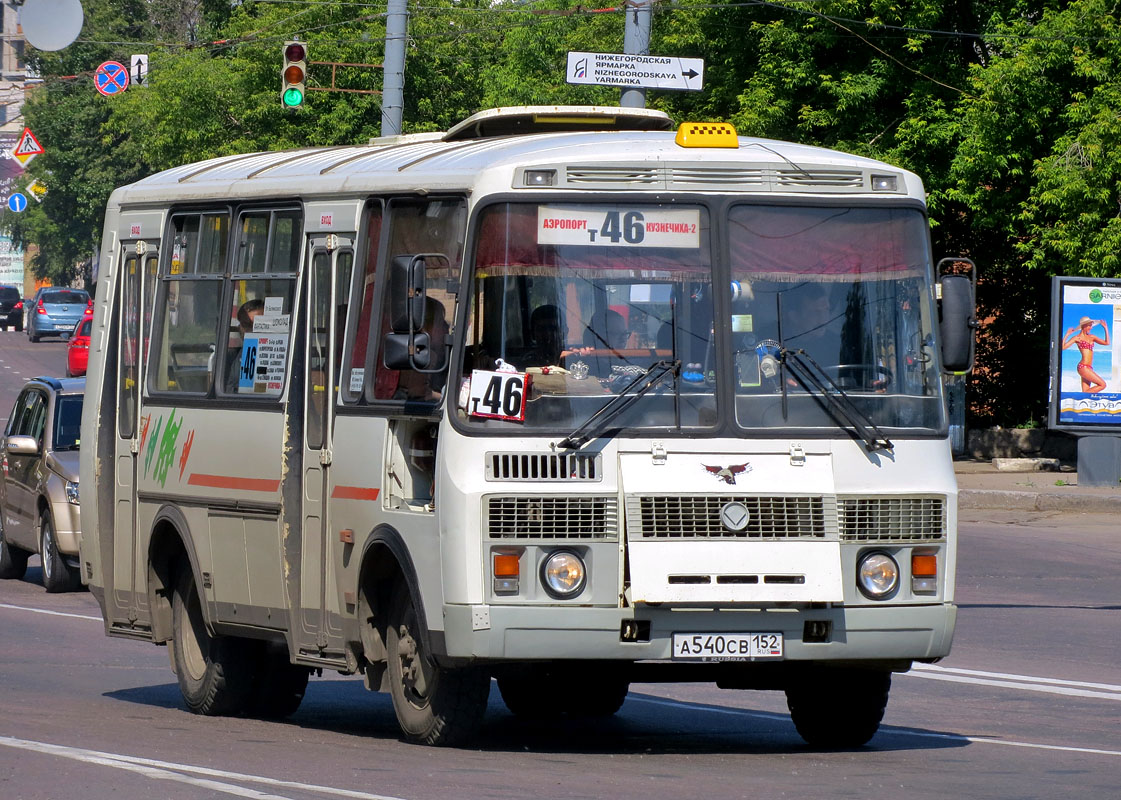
51 24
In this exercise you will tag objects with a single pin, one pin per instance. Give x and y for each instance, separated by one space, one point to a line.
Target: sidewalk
981 485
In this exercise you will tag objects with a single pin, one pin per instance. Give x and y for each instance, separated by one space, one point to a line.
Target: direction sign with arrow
651 72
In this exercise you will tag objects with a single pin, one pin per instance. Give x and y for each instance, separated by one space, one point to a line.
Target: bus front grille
699 517
572 517
543 467
891 519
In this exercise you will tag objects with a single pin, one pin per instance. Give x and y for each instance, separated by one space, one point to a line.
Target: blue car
55 312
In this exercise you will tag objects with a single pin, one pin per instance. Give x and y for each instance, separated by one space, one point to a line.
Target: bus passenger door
332 259
139 260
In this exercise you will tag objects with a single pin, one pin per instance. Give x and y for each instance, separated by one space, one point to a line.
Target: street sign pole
636 42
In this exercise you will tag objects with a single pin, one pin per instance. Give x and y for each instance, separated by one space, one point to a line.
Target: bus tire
534 695
13 560
280 685
434 705
838 708
57 574
215 672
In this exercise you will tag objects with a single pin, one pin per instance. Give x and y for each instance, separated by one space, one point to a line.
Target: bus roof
599 159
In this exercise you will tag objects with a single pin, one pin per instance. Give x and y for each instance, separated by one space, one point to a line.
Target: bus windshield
584 299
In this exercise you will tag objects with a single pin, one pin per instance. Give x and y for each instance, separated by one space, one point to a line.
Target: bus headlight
563 574
877 575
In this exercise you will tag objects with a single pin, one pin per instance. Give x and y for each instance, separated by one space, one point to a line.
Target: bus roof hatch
517 120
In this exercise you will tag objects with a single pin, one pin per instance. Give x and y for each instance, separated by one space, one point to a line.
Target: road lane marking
1025 683
888 731
165 770
52 613
1109 687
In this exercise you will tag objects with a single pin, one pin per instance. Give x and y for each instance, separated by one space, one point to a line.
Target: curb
1038 501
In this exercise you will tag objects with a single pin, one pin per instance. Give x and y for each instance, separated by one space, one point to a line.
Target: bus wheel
13 561
434 705
215 672
838 708
540 695
279 687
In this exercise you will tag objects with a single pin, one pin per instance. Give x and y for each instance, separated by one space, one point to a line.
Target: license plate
726 646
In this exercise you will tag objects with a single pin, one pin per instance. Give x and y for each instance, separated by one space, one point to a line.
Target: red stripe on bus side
229 482
355 493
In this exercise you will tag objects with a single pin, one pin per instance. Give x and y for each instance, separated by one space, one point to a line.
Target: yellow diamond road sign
36 190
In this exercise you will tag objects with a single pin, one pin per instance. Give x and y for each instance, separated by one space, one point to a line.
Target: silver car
55 311
39 482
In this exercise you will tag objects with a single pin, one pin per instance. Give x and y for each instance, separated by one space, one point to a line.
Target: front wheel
58 576
838 708
215 672
434 705
13 560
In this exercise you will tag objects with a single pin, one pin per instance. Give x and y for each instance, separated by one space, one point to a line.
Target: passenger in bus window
548 336
808 323
246 313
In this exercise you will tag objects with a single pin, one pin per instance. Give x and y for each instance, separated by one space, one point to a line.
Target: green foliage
1010 111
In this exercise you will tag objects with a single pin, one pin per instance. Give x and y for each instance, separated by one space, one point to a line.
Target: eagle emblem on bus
728 474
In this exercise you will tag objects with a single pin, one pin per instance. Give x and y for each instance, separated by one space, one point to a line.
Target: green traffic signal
293 97
293 75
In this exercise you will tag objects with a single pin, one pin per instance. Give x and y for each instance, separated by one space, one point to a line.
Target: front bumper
520 633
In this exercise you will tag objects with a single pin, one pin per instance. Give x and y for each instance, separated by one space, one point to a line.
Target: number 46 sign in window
500 395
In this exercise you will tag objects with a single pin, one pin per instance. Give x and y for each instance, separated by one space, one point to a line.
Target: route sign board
651 72
111 78
138 74
27 147
17 202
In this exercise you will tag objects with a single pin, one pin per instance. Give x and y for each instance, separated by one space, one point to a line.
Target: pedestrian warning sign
27 147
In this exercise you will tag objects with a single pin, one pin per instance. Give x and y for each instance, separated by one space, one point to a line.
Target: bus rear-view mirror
406 294
958 322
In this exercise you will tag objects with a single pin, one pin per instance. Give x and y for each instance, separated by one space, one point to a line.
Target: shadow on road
647 724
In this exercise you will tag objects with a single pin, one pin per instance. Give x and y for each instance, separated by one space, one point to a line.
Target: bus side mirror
403 351
958 316
406 294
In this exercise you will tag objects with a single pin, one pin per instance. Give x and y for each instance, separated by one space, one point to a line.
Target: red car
78 352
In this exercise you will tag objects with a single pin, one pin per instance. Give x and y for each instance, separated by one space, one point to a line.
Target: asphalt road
1027 705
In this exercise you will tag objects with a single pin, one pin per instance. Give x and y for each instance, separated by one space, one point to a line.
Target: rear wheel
13 560
838 708
434 705
58 576
544 694
215 672
19 327
280 685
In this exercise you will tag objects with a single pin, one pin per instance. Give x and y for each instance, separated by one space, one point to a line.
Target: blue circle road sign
17 202
111 78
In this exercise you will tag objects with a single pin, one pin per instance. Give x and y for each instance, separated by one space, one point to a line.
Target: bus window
185 321
423 226
353 377
260 316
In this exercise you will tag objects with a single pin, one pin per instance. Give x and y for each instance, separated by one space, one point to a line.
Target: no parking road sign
111 78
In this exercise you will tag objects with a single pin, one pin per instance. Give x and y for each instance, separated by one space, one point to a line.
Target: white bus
561 397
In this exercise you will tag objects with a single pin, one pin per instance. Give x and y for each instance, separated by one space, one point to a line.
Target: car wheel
57 574
19 327
13 560
215 672
32 336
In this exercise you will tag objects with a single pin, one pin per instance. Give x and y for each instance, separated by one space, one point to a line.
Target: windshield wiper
620 403
811 376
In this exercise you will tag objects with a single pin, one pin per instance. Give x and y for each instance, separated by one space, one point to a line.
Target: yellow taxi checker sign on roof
707 134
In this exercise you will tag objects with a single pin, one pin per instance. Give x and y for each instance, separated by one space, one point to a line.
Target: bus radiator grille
544 467
571 517
891 519
698 517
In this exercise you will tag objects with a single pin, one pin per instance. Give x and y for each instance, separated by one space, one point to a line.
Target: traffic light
294 75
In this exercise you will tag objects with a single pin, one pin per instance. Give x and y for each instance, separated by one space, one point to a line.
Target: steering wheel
874 376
